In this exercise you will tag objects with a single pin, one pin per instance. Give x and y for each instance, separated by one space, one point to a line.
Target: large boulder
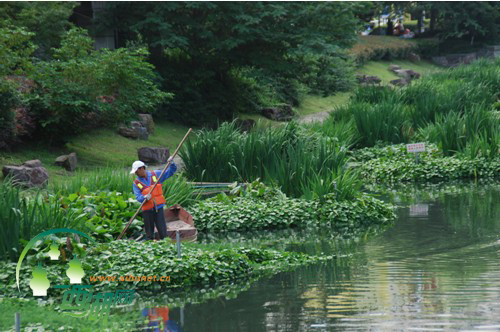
393 68
368 79
135 130
141 129
128 132
413 74
402 73
68 161
30 174
400 82
279 113
32 163
151 155
147 121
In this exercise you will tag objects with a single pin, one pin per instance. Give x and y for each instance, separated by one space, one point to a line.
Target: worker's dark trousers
152 218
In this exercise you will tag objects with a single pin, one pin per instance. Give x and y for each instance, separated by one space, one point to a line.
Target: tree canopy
201 49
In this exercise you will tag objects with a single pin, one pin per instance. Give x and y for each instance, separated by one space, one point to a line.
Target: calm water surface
437 269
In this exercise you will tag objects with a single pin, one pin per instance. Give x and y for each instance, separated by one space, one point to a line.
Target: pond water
437 269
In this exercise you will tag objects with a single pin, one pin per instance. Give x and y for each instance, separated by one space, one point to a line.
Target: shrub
327 74
15 51
86 89
382 48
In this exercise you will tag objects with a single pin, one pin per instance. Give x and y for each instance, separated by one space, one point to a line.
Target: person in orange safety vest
152 210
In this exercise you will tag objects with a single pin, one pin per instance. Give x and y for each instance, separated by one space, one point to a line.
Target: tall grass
473 133
24 215
175 189
385 122
375 94
105 178
289 157
451 108
344 184
483 72
342 131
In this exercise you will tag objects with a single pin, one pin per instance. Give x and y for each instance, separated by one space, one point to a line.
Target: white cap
136 166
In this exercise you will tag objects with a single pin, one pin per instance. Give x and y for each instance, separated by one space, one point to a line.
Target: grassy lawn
105 147
314 104
100 147
310 104
381 68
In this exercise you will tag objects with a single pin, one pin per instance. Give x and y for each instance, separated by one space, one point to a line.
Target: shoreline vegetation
298 176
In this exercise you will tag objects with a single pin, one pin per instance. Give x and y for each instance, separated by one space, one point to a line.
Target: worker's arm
138 195
168 173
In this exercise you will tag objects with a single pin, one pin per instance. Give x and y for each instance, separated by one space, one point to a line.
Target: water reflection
157 320
437 269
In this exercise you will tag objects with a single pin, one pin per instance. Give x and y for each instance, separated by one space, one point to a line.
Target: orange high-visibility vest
156 196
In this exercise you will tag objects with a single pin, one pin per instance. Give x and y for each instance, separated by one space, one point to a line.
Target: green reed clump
25 214
483 146
483 72
474 133
176 189
386 122
287 156
452 108
375 94
105 178
344 184
342 131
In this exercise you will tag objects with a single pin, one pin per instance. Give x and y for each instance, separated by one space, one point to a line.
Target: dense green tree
47 20
474 20
197 45
16 49
15 54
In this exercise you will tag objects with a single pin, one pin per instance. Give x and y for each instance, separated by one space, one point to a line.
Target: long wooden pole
163 172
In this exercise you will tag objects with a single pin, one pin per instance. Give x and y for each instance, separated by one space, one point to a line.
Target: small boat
180 220
177 219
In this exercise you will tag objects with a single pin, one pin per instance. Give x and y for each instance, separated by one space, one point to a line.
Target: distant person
399 29
152 210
